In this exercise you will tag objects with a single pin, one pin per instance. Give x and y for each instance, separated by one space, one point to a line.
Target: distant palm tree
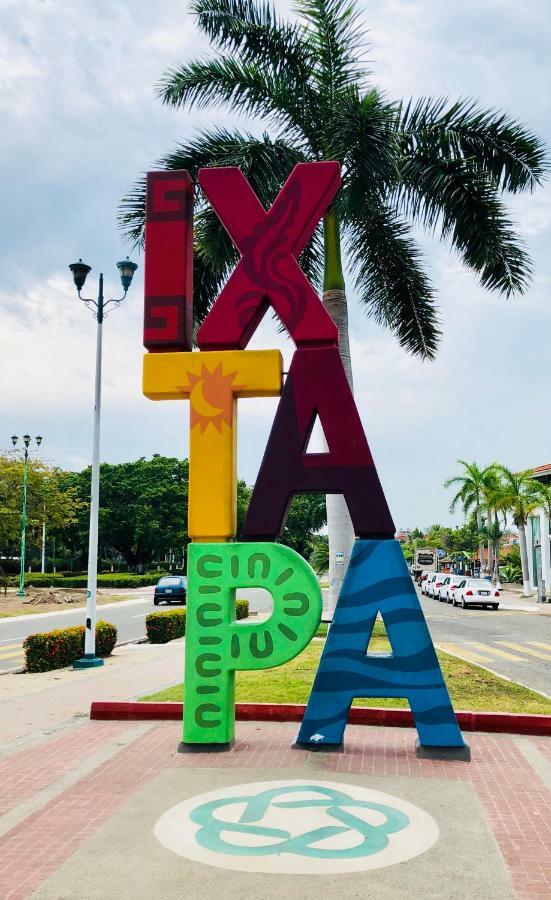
518 494
438 164
473 486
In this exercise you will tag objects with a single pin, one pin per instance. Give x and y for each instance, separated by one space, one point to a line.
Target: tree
306 516
473 485
442 165
49 501
143 509
517 494
319 557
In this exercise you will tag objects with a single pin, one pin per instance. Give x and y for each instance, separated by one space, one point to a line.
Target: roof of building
540 471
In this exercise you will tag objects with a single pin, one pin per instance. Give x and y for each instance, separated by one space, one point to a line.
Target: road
514 644
511 643
129 617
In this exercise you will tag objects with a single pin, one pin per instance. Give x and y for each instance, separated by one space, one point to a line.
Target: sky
79 122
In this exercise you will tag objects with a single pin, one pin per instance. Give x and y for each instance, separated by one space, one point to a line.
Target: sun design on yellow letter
211 398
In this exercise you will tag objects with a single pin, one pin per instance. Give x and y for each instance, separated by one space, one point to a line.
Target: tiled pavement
512 777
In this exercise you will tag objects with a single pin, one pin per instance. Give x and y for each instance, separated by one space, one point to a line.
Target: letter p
217 645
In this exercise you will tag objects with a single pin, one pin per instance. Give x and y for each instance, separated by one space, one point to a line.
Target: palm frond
242 87
255 32
504 150
463 203
392 285
335 37
361 135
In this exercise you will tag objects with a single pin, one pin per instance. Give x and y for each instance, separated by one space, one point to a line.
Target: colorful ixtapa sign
213 379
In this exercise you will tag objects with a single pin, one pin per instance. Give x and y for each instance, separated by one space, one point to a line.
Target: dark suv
171 589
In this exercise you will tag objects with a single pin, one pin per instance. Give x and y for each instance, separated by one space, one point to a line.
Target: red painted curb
502 723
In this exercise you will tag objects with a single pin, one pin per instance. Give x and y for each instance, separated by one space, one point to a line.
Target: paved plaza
93 810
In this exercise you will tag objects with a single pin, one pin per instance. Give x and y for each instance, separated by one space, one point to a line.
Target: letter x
269 243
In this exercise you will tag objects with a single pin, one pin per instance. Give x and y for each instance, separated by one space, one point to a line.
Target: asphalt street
129 618
510 643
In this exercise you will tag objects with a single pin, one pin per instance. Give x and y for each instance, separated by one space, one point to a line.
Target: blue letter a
378 580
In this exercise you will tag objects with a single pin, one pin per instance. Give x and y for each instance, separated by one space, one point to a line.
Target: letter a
316 384
378 580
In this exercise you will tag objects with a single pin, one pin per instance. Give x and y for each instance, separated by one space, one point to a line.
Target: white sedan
436 585
428 583
448 587
475 592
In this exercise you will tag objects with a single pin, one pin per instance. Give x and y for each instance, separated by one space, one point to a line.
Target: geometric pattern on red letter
269 242
168 308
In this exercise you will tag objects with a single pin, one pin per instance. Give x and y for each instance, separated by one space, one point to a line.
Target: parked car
437 584
421 578
475 592
448 587
429 583
170 589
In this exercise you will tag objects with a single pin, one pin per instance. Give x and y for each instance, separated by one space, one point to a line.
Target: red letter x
269 243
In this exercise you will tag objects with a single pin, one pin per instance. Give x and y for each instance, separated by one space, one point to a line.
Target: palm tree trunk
526 590
480 540
340 530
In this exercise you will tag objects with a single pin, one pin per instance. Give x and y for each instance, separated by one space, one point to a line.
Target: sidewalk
84 816
511 598
31 705
85 807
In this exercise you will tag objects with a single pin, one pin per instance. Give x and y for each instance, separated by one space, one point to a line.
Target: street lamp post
80 271
26 442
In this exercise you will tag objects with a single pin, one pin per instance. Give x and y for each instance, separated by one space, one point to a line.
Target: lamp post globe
80 271
126 271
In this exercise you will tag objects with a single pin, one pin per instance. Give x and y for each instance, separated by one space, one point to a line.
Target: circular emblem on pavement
303 827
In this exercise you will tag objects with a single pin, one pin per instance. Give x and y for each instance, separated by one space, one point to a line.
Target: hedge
37 579
162 627
56 649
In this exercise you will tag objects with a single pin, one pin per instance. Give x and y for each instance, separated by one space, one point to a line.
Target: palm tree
518 495
473 486
435 163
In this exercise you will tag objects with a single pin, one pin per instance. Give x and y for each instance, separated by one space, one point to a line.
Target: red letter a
316 384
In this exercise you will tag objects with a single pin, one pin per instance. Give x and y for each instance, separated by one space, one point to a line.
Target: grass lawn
470 687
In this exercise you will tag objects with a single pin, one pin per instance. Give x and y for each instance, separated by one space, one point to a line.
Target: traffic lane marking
11 655
539 644
458 650
489 648
521 648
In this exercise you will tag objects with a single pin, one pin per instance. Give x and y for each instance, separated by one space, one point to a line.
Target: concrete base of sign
462 753
204 748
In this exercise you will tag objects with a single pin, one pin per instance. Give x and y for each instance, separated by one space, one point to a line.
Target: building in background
537 538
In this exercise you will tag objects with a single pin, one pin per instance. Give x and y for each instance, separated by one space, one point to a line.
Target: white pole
90 635
43 566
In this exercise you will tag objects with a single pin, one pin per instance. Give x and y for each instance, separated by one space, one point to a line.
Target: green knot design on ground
371 839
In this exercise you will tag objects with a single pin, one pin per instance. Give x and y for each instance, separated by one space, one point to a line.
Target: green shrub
56 649
241 609
110 580
162 627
